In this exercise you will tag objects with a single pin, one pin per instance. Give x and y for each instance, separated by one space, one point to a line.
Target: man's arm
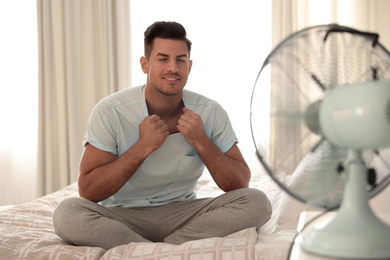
102 174
229 170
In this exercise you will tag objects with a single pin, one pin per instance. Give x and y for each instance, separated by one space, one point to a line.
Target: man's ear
190 66
144 64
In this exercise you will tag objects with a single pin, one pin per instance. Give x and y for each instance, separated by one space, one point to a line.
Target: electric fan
320 116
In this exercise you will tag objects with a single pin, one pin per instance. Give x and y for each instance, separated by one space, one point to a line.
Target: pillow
290 207
380 203
310 180
289 210
239 245
274 193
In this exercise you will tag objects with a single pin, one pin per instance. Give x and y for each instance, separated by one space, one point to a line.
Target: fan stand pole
355 232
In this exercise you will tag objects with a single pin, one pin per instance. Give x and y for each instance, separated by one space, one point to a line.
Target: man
145 149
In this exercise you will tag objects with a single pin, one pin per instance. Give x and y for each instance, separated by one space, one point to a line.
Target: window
231 39
18 100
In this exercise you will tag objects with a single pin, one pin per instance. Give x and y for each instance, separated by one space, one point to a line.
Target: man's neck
170 112
162 105
165 109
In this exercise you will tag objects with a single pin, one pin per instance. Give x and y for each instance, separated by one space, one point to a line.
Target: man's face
168 66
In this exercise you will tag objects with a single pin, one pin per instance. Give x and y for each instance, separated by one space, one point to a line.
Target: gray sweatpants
81 222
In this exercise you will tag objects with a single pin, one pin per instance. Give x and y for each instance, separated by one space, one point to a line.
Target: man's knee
65 210
65 217
258 206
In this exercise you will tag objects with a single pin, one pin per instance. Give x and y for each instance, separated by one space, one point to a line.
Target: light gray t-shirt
171 172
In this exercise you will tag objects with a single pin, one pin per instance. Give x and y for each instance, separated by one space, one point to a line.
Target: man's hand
102 174
229 170
190 125
152 132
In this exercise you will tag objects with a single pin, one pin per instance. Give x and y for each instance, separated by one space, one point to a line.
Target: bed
26 232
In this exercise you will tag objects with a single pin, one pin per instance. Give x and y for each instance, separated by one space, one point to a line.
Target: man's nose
173 66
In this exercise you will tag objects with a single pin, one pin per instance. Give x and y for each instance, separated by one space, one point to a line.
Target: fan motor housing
357 115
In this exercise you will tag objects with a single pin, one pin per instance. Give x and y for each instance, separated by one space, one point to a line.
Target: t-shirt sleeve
101 129
222 134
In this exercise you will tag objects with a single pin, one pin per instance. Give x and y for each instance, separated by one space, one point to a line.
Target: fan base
352 236
355 232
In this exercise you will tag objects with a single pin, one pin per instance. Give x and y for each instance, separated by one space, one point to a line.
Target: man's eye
181 60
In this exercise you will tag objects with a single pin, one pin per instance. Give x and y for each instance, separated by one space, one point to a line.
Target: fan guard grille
298 72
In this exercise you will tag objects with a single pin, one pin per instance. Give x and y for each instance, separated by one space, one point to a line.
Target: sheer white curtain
83 57
365 15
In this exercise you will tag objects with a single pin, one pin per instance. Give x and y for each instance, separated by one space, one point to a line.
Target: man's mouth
170 78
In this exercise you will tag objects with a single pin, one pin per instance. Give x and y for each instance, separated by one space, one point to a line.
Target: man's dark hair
164 30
